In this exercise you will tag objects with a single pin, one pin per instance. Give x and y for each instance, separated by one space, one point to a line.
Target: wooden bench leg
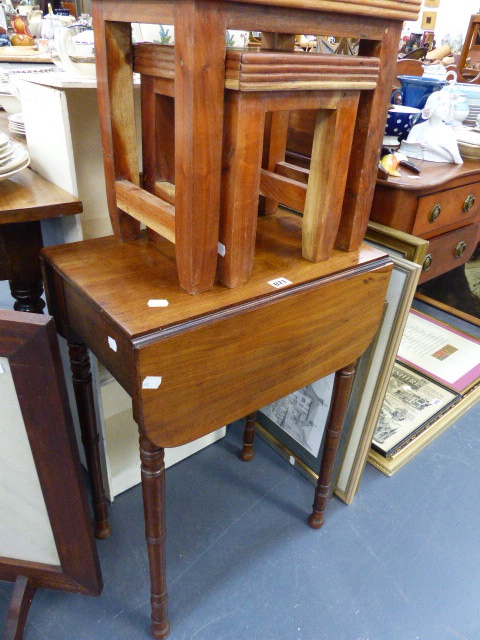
22 596
153 488
242 149
338 408
332 142
248 437
83 388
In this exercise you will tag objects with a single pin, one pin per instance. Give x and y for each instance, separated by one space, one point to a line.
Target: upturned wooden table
25 200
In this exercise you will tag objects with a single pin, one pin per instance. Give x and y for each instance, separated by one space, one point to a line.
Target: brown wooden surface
191 366
404 203
443 248
200 28
27 196
29 341
25 199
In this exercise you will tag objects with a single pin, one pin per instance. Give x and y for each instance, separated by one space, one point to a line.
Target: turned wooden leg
23 242
336 416
20 602
248 437
153 488
83 388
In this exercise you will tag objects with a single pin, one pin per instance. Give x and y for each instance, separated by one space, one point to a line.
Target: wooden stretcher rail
155 213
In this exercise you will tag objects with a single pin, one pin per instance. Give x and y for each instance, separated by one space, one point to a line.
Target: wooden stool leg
276 123
153 488
369 129
332 142
83 388
199 95
242 149
248 437
341 393
20 602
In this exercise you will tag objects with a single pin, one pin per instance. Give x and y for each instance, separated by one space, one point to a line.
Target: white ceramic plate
7 153
16 118
4 176
4 140
18 158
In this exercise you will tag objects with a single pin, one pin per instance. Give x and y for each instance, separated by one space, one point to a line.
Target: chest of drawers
442 205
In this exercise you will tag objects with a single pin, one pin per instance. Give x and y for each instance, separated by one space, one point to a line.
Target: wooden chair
258 83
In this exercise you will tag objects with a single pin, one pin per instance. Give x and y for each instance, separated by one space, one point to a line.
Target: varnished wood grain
249 326
27 197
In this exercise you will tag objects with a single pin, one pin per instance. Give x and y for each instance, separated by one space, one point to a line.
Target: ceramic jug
76 50
416 89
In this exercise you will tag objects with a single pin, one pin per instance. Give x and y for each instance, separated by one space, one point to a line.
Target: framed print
433 4
411 402
294 425
429 19
364 410
46 534
441 352
390 464
397 242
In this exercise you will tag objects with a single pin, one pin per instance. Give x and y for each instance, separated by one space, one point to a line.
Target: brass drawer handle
468 203
427 263
460 249
435 213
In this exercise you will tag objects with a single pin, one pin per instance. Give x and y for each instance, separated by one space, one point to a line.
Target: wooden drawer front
446 208
449 250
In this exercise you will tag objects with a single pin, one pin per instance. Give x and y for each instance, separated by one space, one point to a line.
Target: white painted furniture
63 135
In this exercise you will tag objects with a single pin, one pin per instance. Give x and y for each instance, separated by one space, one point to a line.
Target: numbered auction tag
278 283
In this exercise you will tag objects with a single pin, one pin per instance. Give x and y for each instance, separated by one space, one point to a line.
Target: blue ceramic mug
400 120
416 89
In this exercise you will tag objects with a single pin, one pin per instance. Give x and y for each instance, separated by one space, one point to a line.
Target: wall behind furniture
453 17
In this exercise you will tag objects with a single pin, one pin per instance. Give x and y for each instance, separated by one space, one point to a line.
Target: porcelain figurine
433 140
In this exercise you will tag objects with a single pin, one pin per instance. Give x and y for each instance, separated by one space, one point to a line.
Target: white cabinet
63 135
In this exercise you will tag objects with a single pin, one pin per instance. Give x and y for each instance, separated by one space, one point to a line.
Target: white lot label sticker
221 249
158 303
112 343
279 283
152 382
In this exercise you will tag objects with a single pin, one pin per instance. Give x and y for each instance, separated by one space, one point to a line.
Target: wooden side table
25 200
192 364
442 205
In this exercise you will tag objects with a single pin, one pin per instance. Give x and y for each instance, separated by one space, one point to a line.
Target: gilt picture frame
281 424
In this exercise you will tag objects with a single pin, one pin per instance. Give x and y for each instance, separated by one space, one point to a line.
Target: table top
26 197
433 175
130 265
